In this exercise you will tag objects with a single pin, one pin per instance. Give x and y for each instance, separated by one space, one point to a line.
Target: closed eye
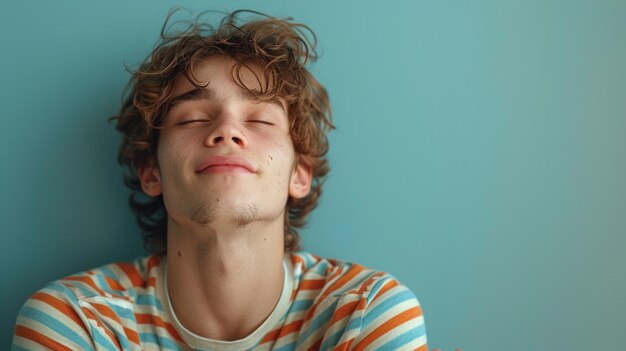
263 122
192 121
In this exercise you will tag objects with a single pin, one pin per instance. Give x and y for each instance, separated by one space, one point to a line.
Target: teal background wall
479 155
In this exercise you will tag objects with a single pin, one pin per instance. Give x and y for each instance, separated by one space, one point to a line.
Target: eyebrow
208 93
193 95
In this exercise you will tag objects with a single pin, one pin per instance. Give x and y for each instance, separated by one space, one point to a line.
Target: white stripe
392 312
398 330
342 323
398 289
413 344
53 334
120 276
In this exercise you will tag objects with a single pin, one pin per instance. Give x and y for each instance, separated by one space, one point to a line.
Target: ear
300 183
150 179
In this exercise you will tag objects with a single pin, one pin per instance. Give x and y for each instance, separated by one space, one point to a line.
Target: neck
224 281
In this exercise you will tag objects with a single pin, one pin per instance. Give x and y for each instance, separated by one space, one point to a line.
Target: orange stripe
373 278
114 284
344 346
154 320
422 348
95 318
365 284
87 281
61 307
131 273
279 333
343 311
316 346
290 328
312 284
338 271
271 336
297 259
106 311
132 335
352 272
385 288
152 282
39 338
321 297
332 261
383 329
153 261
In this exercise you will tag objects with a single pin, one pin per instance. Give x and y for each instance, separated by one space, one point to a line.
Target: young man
224 130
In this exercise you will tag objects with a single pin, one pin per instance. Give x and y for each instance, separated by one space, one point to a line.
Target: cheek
173 155
278 154
276 158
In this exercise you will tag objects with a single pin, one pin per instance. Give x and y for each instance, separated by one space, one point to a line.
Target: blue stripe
300 305
123 340
102 284
308 260
353 323
54 324
376 288
321 267
107 271
100 339
332 341
122 312
403 339
158 340
131 291
288 347
383 307
318 322
69 291
139 262
149 300
352 283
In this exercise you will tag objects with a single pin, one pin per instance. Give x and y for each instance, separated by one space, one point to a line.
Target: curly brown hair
281 47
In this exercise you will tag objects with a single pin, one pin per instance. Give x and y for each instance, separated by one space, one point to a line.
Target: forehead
218 72
216 75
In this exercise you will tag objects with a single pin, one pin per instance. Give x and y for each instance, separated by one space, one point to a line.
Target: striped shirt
325 304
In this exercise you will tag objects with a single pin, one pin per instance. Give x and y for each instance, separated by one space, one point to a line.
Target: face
222 156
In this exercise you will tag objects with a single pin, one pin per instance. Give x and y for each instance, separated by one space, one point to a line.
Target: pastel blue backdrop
478 156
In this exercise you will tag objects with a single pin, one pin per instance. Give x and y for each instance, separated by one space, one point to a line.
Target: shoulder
339 277
366 307
114 280
52 316
64 311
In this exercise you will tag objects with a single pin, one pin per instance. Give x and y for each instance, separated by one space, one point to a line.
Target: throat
224 299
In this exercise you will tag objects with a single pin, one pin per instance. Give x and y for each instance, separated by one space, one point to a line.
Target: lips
223 162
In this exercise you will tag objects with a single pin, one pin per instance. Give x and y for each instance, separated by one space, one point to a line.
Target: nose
228 132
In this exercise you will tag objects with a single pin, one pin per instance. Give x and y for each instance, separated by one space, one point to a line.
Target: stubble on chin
245 214
200 213
207 212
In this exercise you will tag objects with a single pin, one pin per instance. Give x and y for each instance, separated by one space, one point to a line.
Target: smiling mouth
225 169
226 164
